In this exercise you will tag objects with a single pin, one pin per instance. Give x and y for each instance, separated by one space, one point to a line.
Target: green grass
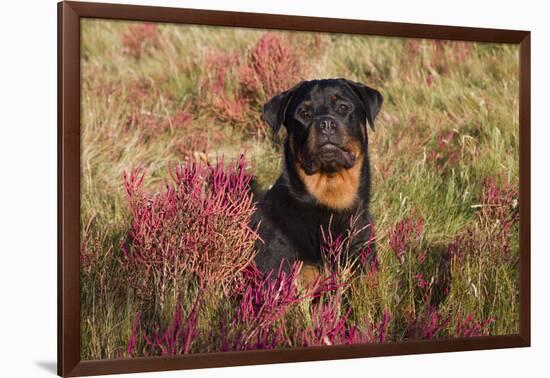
430 90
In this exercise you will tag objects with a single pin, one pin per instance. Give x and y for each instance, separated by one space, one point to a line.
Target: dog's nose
327 125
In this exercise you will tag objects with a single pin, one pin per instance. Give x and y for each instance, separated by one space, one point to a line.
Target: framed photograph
239 188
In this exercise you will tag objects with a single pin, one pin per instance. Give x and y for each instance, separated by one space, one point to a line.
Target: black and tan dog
325 170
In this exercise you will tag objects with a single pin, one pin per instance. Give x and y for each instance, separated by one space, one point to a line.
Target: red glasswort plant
469 327
499 214
446 152
432 324
226 101
420 281
331 326
197 227
446 54
265 300
236 88
138 37
428 325
176 339
256 323
499 203
405 234
272 65
343 254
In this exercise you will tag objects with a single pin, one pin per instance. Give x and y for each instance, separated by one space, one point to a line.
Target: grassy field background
444 161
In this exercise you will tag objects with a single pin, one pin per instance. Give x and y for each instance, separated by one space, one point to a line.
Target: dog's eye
305 114
343 108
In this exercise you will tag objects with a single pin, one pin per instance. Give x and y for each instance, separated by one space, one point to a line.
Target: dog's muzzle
329 158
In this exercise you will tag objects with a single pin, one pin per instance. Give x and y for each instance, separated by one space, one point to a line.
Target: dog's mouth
330 158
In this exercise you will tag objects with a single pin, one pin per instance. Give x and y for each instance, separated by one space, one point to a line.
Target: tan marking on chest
338 191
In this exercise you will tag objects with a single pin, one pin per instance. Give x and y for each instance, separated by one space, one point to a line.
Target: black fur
288 215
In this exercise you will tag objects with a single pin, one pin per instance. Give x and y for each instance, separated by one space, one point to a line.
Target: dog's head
326 122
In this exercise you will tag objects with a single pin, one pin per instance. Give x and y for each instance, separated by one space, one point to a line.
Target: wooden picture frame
69 16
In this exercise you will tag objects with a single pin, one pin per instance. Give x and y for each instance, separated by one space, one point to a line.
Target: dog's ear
274 110
372 100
